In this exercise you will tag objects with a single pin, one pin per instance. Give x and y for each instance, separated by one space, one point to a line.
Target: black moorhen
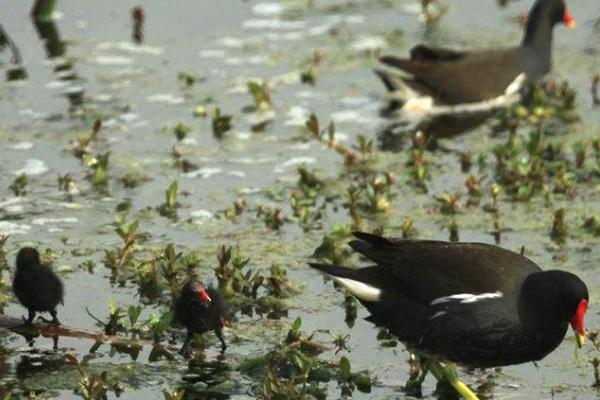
200 309
470 303
36 286
456 77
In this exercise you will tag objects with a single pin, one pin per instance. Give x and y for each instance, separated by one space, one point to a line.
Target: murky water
135 89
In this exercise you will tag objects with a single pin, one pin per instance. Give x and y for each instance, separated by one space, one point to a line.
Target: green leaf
134 313
345 369
297 324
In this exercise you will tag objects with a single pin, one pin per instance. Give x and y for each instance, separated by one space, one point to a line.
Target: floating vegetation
260 95
221 123
548 103
181 130
292 369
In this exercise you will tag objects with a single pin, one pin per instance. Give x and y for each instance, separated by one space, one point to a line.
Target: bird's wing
433 271
460 77
424 53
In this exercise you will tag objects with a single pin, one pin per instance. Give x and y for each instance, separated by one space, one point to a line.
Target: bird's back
454 77
37 287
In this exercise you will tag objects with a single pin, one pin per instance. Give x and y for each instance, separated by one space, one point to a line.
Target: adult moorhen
470 303
200 309
456 77
36 286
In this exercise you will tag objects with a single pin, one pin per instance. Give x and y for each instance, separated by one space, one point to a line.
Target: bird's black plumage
471 303
35 285
456 77
200 309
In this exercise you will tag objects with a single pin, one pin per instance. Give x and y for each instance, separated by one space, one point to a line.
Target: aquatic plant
19 185
274 218
559 231
181 130
117 259
113 324
169 207
99 168
260 95
91 387
81 146
221 123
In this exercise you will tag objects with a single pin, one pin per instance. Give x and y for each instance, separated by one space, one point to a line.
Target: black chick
36 286
200 309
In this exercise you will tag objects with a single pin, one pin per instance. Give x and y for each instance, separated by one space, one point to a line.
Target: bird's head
554 10
199 289
27 256
554 297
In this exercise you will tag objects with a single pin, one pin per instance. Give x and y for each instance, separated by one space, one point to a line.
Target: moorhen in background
456 77
200 309
470 303
36 286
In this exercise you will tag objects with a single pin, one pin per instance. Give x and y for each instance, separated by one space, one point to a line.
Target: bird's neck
538 36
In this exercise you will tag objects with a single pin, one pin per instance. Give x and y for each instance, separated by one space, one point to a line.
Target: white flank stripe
438 314
360 289
466 298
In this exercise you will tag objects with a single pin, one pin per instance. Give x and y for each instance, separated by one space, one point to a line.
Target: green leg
448 373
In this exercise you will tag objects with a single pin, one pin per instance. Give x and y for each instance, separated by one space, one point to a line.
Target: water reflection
16 70
31 334
63 68
394 135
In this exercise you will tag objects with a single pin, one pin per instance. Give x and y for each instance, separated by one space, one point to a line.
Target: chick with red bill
200 309
474 304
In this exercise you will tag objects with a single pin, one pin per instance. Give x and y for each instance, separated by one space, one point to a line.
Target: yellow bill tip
580 339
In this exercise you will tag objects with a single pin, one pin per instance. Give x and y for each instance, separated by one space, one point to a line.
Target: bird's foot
448 374
452 378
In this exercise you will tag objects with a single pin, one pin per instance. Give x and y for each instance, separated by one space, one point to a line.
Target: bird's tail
360 282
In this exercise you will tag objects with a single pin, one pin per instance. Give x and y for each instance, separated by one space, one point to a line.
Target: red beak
577 322
204 297
568 19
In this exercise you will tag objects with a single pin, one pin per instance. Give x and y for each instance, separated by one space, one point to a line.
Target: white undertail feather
359 289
